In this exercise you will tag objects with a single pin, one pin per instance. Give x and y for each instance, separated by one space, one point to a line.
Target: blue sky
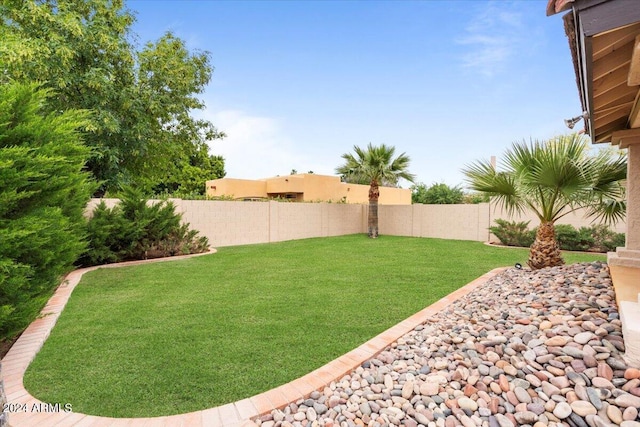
298 83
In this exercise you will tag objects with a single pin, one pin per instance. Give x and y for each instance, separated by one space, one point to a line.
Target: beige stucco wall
227 223
460 222
577 219
236 188
286 184
633 198
290 221
307 187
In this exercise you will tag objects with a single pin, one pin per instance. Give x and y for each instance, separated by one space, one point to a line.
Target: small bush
513 233
571 239
605 239
135 229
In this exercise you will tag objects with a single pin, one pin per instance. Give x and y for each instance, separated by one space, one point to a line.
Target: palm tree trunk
374 194
545 251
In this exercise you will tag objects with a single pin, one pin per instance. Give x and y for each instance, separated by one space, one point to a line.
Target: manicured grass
180 336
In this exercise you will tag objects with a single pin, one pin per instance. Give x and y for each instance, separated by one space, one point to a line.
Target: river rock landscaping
530 348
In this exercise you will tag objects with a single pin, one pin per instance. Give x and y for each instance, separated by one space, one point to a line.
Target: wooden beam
620 57
634 117
614 108
619 92
610 81
611 127
606 43
625 137
611 116
634 68
615 103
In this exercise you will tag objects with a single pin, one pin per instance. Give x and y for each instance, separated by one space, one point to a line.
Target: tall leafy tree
141 101
43 193
553 179
376 166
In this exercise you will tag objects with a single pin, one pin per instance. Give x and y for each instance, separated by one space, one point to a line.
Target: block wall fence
227 223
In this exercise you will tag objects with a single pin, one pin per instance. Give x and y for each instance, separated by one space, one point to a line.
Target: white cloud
255 147
493 36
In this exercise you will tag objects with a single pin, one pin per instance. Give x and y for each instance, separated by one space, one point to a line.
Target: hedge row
597 238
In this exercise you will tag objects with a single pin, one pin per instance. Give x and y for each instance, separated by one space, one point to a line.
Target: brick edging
236 414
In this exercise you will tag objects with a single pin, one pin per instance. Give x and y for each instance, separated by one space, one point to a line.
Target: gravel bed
530 348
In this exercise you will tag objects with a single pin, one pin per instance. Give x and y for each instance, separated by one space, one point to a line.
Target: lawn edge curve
236 414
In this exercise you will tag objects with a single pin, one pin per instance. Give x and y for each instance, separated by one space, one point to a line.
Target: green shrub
106 233
605 239
136 229
597 238
513 233
475 198
571 239
43 193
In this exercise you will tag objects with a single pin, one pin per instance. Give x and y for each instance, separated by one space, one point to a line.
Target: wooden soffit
604 38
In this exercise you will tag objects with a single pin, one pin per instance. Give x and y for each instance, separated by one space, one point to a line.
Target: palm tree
375 166
553 179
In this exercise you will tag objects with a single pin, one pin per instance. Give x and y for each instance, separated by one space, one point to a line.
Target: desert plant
553 179
376 166
512 233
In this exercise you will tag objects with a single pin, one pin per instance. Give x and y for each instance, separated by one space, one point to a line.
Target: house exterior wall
236 188
305 188
633 198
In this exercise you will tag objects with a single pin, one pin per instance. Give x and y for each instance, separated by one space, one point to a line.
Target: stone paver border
237 414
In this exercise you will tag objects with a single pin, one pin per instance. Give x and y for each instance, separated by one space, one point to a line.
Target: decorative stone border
3 401
237 414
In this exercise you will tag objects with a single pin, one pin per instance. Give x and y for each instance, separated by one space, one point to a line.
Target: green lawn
175 337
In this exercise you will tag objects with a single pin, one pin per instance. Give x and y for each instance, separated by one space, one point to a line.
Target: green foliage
512 233
597 238
605 239
375 164
554 178
475 198
141 130
437 194
136 229
571 239
43 192
106 231
189 181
